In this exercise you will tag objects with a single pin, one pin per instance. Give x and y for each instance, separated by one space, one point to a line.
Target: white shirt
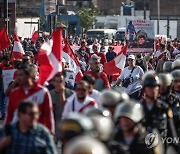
95 94
158 53
136 78
68 108
176 51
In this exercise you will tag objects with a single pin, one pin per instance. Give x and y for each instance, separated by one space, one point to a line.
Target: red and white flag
72 61
116 65
49 57
18 50
35 35
4 40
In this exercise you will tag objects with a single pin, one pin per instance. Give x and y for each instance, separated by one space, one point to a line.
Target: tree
88 16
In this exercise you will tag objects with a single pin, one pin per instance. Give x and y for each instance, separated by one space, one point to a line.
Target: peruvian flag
35 36
73 62
49 57
18 50
117 49
115 66
4 41
157 45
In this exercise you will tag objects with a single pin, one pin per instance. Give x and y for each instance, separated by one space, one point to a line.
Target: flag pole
6 19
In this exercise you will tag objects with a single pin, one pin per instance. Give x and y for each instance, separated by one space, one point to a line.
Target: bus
101 34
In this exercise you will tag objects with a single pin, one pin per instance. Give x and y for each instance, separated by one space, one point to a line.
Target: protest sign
140 34
7 77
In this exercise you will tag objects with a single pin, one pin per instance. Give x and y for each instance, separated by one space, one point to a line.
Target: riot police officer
154 109
165 87
74 125
176 82
175 98
130 137
158 114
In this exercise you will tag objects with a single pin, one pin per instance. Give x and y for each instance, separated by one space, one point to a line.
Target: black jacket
138 146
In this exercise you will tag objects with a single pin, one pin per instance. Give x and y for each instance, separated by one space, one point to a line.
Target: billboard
140 35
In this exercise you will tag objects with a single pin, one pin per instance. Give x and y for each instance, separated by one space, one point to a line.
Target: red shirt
36 93
7 67
1 66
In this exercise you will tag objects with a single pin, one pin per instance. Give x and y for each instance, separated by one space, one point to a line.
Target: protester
96 70
79 101
91 81
29 90
27 136
59 97
131 78
110 55
95 50
159 68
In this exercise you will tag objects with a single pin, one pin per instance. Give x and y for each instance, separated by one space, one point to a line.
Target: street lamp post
158 12
144 9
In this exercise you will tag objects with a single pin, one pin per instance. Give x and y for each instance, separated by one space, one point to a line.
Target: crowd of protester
100 114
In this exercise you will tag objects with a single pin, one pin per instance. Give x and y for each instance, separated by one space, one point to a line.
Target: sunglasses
33 114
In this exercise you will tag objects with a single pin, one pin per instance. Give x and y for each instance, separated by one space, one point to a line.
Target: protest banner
7 77
140 34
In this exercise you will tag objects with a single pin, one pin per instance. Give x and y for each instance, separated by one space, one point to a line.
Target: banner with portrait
140 35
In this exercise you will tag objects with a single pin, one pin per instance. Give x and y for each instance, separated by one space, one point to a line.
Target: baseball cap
131 57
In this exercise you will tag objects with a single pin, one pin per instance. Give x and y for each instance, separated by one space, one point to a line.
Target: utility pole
6 19
144 9
168 27
158 11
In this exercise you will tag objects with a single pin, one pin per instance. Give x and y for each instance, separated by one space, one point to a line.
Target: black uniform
137 146
156 117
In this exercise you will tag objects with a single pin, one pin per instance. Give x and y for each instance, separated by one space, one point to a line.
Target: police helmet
90 111
112 97
166 79
151 72
167 66
85 145
74 125
109 97
131 109
104 127
176 74
124 95
150 80
176 64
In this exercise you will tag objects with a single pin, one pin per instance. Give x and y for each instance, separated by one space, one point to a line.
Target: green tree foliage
88 16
